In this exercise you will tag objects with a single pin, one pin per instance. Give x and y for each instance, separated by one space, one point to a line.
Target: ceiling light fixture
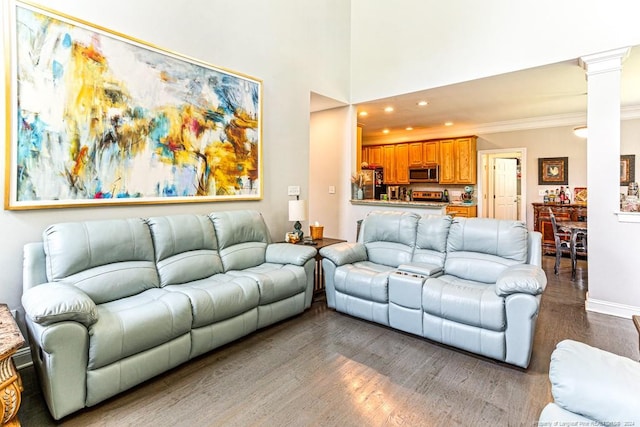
580 131
388 109
363 113
385 131
422 103
408 128
448 123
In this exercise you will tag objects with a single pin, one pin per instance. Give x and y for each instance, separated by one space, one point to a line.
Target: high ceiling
553 95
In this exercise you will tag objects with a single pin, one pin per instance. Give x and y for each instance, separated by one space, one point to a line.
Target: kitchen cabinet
402 163
462 211
372 155
542 220
431 152
458 161
389 163
415 154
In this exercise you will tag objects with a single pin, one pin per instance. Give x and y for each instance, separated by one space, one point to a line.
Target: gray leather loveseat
110 304
472 283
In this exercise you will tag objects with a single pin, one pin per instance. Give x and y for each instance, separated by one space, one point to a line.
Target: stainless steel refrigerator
374 186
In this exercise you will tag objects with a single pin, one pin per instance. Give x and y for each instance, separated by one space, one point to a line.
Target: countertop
401 203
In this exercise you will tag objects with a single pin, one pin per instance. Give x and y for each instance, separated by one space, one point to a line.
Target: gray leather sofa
110 304
471 283
591 387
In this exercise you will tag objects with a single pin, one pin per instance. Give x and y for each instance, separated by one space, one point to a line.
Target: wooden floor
325 368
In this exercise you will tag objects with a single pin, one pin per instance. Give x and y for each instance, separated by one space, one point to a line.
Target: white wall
329 131
409 45
294 46
545 142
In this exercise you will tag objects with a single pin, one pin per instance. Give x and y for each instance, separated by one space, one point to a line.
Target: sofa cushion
389 237
431 239
275 281
130 325
366 280
480 249
108 259
464 301
242 238
185 248
219 297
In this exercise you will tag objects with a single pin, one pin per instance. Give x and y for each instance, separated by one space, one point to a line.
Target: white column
603 73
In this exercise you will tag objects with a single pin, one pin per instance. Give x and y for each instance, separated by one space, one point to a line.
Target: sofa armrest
345 253
286 253
56 302
595 383
521 278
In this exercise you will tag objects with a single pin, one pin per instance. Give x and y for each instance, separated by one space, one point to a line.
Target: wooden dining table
574 228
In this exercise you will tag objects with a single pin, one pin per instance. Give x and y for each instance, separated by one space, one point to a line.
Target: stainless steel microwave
428 173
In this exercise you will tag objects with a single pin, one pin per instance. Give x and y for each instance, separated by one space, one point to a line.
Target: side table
10 383
636 322
318 280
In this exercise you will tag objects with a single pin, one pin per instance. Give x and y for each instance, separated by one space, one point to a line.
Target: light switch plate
293 190
541 192
332 189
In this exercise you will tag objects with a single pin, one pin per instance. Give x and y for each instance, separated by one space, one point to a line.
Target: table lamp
297 213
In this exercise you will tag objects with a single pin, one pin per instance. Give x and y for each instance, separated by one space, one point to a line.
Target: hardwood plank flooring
323 368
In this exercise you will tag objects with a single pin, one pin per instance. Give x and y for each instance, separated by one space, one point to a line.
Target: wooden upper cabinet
389 164
415 154
466 158
458 161
375 155
447 162
402 164
431 152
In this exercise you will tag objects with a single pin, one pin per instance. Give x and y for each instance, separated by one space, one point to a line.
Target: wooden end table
10 383
318 280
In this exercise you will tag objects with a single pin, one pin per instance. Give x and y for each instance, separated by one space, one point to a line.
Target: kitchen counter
399 203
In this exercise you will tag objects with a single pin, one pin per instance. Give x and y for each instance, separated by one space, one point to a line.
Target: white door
505 192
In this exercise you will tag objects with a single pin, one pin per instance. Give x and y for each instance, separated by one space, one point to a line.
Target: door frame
485 175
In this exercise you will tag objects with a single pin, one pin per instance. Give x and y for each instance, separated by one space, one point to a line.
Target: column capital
603 62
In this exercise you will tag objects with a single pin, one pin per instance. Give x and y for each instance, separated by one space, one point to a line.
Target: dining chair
562 241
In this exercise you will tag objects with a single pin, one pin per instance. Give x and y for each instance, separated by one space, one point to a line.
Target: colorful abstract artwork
98 118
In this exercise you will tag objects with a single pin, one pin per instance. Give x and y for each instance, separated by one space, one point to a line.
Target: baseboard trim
611 308
22 358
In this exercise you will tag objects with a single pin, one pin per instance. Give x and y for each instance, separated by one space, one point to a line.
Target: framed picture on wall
553 171
100 118
627 169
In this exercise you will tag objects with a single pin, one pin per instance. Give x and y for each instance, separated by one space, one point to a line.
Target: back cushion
242 238
389 236
108 259
186 248
431 242
481 248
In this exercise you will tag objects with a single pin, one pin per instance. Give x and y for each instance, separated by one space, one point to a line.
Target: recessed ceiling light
385 130
422 103
408 128
448 123
363 113
388 109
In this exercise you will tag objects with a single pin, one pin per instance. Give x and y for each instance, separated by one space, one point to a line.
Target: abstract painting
100 118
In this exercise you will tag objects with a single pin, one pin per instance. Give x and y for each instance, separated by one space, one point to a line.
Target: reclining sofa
471 283
110 304
591 387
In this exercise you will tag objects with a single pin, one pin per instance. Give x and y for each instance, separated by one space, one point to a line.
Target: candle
317 224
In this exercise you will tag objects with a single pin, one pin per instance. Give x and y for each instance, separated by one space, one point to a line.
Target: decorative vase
360 194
